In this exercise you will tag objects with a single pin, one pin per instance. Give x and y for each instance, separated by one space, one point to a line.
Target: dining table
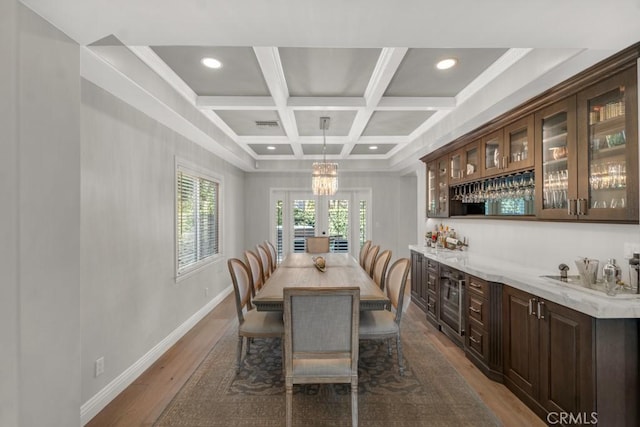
299 270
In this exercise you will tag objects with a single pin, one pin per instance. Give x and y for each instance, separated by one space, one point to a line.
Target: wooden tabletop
298 270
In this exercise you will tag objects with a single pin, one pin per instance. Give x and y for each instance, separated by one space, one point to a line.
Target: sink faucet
563 271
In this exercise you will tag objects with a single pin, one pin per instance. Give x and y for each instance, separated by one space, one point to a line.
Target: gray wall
130 298
393 204
40 163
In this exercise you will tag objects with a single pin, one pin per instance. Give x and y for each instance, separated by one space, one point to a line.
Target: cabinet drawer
431 264
478 310
478 341
478 287
432 304
432 282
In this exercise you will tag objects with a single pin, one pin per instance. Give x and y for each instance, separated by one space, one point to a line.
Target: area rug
431 393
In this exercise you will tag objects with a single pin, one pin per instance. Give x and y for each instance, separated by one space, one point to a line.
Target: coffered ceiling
368 65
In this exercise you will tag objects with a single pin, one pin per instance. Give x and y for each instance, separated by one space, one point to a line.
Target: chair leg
389 346
239 354
354 403
400 358
249 340
289 405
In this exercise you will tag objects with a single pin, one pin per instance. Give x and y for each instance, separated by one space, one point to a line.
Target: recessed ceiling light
373 147
270 147
211 63
445 64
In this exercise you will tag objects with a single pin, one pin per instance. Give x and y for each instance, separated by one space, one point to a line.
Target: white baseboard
101 399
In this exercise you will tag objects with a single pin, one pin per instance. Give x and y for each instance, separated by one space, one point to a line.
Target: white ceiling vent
267 124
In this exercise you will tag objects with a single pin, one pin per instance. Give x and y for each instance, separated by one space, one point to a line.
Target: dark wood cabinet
451 303
548 360
519 144
417 280
432 283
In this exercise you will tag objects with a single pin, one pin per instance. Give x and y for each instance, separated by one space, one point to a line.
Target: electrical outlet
206 292
99 366
630 249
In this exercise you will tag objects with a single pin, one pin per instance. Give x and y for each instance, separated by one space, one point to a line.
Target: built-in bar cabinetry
554 358
579 139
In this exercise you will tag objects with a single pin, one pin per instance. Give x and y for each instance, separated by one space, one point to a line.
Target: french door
296 215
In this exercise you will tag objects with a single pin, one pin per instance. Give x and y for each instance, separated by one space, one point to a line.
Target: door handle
573 203
475 310
472 339
540 308
582 206
531 312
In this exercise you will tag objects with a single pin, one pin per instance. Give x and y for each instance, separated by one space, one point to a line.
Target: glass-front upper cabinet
456 171
555 158
519 144
472 161
493 153
608 158
438 188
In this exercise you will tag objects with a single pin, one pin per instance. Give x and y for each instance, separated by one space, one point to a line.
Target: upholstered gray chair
317 245
265 258
380 267
252 260
370 259
363 252
273 253
251 323
321 340
385 324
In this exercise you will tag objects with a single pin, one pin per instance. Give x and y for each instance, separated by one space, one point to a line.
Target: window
197 218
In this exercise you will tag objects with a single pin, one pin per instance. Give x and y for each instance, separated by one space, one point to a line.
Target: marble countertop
592 302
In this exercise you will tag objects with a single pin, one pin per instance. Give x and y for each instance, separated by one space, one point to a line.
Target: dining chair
380 267
317 245
252 260
321 340
265 259
251 322
385 324
363 252
370 259
273 253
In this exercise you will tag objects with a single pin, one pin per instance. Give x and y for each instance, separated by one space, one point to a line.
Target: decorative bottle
611 275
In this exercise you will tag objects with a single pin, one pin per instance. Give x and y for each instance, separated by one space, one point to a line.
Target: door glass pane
456 166
279 247
338 211
363 222
555 166
472 161
607 151
443 187
518 145
432 195
492 155
304 223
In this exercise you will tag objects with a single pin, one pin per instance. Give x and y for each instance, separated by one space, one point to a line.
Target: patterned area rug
431 393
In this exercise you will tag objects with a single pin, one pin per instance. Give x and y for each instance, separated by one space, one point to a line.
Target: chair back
242 285
273 253
317 245
380 267
322 323
396 283
370 260
363 252
265 259
255 265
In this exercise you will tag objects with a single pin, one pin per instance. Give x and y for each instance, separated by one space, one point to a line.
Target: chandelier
324 178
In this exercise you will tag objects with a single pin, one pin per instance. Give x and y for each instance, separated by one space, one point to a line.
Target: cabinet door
519 144
416 273
566 362
443 186
520 335
472 157
494 160
556 160
608 155
432 190
456 165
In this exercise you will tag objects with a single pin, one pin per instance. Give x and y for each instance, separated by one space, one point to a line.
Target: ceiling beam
271 65
386 67
333 103
418 103
236 102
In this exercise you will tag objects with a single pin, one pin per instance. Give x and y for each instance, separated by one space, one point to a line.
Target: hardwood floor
145 399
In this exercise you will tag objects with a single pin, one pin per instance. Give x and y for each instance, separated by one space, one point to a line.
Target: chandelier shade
324 176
